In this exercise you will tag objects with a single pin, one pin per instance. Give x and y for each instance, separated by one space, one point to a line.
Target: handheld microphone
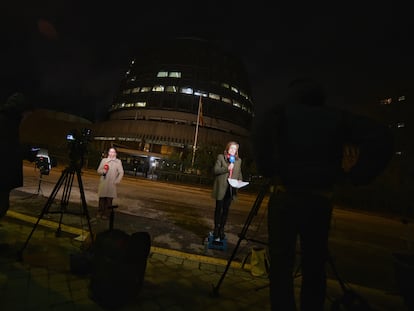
106 168
232 158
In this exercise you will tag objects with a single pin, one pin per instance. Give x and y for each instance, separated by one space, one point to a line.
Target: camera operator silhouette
12 112
305 148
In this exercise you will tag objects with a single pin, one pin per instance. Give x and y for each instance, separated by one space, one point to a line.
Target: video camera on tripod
77 143
43 164
40 157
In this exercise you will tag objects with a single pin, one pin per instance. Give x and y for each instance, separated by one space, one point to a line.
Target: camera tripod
242 235
350 300
39 190
65 180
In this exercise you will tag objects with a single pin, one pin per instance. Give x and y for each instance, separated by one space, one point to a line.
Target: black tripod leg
38 186
350 299
45 210
242 235
84 205
64 202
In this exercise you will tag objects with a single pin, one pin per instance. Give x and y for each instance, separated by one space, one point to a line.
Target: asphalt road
180 217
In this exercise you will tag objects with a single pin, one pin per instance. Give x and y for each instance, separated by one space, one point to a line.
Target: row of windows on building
175 89
173 141
397 125
389 101
177 74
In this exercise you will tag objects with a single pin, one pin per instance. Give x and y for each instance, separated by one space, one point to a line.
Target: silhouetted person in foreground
300 146
12 112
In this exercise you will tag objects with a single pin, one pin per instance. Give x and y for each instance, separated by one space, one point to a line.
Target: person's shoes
216 234
222 235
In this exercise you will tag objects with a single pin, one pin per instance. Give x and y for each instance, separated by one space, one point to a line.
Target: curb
157 250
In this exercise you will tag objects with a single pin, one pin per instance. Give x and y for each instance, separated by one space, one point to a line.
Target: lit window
140 104
162 74
122 105
135 90
214 96
234 89
400 124
386 101
244 95
145 89
174 74
158 88
171 88
226 100
244 108
132 79
398 153
236 103
401 98
200 93
132 62
226 85
186 90
128 72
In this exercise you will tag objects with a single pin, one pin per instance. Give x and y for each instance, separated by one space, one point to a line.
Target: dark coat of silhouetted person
299 145
12 112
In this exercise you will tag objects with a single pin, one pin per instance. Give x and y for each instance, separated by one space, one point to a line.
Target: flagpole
196 132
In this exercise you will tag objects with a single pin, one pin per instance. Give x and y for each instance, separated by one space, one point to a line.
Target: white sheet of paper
237 183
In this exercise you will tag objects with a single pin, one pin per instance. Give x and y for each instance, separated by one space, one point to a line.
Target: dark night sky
70 54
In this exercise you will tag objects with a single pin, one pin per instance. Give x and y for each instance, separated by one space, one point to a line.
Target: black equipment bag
118 267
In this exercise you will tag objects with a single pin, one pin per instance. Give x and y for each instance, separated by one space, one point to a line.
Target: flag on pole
200 112
200 121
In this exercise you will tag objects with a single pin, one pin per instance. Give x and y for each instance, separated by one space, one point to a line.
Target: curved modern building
177 94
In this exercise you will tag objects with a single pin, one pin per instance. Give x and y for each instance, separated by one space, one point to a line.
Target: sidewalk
173 280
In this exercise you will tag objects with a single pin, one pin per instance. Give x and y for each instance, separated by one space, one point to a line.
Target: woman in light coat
228 165
111 171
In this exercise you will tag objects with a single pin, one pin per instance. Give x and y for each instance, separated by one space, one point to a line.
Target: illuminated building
397 112
156 109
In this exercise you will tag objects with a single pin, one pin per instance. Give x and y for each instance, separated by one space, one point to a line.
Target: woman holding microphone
228 165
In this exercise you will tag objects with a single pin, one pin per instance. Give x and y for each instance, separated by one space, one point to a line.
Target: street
180 216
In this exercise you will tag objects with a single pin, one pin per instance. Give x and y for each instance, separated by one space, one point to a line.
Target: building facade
176 96
397 112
